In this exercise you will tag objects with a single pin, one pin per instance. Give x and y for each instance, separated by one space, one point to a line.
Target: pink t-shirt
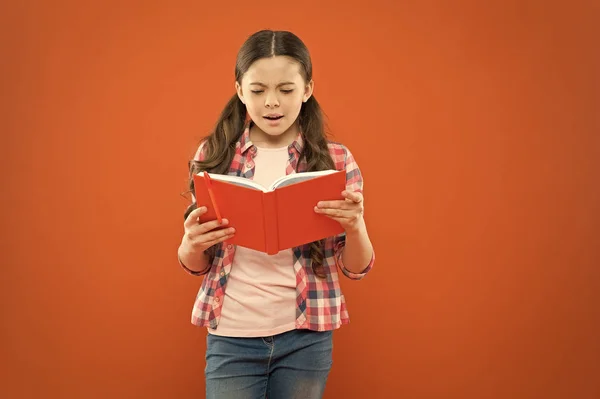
260 299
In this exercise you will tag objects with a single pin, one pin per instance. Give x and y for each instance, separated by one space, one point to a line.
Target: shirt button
217 299
230 246
222 273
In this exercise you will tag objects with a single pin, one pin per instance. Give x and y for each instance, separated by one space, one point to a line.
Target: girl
270 318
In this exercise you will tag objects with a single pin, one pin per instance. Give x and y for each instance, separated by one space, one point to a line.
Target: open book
271 219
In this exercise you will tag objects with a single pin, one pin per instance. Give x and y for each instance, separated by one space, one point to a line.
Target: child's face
273 90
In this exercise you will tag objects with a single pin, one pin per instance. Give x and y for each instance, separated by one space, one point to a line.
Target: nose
271 100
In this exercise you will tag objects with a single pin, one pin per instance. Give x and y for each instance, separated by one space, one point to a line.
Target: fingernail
203 208
224 221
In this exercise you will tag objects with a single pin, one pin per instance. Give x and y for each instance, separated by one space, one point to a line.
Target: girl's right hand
198 237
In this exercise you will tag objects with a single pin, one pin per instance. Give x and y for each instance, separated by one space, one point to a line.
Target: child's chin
274 130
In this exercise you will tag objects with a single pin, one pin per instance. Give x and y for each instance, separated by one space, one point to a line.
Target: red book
275 218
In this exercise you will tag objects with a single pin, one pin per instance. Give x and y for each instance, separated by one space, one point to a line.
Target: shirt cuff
339 250
193 272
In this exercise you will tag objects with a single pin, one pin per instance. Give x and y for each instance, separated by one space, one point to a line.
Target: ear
308 91
240 94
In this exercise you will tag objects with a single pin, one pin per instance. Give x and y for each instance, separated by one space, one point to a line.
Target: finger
193 220
337 204
344 205
353 196
335 212
209 226
345 221
218 240
194 215
204 238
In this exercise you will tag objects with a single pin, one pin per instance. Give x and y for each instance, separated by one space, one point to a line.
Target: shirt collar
244 141
246 144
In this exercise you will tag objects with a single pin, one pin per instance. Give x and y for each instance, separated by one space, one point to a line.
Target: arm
199 237
193 262
357 254
354 252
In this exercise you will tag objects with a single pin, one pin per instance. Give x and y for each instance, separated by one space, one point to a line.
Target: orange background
477 128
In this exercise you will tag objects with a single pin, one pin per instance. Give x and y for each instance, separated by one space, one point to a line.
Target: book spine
270 212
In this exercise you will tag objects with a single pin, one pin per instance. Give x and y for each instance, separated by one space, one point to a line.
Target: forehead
273 70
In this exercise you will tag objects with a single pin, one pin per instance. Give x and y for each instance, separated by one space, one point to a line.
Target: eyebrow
280 84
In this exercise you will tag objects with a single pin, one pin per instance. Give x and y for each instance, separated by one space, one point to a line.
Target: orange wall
478 131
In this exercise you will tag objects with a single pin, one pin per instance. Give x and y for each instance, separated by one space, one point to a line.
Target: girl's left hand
348 212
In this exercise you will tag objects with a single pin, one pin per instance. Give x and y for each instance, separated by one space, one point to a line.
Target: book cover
271 219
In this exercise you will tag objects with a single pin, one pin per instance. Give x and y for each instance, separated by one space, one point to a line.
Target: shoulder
336 149
344 160
340 154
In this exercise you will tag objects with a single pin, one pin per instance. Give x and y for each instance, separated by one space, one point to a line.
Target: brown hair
219 146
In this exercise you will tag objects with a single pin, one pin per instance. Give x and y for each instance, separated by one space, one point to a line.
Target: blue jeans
294 364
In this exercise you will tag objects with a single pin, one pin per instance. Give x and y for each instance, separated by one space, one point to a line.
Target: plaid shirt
320 304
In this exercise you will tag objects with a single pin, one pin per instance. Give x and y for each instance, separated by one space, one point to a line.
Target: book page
298 177
237 180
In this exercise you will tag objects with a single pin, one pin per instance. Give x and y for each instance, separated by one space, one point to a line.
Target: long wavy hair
219 146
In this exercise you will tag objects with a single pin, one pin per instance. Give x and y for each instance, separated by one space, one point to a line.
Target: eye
287 91
256 91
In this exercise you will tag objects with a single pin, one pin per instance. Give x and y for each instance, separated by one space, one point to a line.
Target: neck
264 140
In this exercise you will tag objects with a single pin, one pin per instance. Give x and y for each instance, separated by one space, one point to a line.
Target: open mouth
273 117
